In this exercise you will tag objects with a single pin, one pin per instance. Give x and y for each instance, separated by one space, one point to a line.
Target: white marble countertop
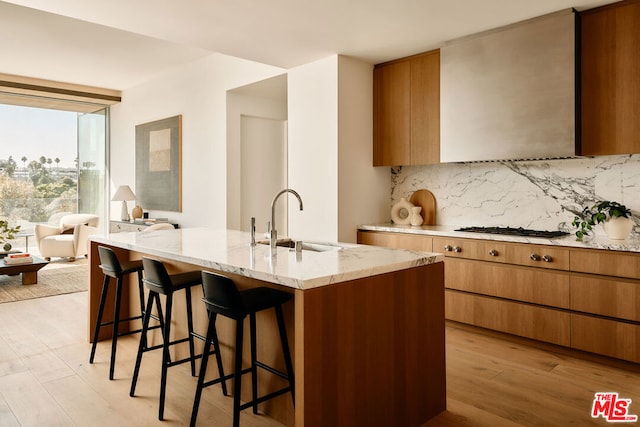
230 251
590 242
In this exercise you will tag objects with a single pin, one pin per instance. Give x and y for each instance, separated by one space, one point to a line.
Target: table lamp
123 194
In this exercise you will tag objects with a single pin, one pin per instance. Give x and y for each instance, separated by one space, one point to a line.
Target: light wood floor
46 380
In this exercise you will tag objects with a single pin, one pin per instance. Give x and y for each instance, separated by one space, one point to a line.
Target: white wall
313 149
330 150
364 191
197 92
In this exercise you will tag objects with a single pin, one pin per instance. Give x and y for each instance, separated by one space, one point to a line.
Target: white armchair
69 239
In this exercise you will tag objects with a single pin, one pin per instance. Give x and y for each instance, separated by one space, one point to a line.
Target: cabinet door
391 114
610 85
425 108
539 323
605 336
487 250
413 242
534 285
606 296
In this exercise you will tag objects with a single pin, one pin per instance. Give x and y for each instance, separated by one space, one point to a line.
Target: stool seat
222 297
126 267
177 282
251 301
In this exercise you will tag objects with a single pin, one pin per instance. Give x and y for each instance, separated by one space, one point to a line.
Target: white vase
401 212
416 218
618 228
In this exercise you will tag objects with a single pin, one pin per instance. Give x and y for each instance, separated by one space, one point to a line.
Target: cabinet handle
447 248
534 257
547 258
457 249
493 252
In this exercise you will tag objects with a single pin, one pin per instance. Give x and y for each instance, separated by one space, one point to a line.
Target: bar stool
221 296
112 268
158 281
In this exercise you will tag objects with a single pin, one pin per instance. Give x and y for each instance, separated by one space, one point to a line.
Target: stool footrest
225 378
272 370
186 359
265 398
128 319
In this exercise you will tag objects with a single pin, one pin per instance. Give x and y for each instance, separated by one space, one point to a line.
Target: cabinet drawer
413 242
471 249
124 227
515 283
607 263
538 256
525 320
604 296
607 337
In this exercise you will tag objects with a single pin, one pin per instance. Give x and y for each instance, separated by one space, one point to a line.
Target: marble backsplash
544 194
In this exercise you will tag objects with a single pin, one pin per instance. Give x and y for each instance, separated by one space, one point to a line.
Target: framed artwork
159 164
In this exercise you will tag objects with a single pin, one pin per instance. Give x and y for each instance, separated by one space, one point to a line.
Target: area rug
56 278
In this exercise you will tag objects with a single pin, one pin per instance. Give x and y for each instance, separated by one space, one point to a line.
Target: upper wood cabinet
610 67
406 111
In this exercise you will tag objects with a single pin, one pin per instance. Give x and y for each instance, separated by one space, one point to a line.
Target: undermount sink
306 246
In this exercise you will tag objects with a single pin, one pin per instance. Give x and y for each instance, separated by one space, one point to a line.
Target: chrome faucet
273 235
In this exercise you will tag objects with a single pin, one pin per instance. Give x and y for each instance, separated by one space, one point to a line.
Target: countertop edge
591 242
354 261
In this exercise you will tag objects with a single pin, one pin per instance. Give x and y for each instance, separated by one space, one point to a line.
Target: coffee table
29 271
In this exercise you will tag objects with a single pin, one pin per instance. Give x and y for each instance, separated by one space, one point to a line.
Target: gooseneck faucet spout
273 235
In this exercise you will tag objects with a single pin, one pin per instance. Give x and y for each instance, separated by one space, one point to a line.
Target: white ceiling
118 44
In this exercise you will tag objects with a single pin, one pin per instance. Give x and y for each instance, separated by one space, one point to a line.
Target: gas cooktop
511 231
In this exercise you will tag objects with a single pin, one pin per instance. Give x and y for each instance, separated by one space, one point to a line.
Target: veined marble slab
541 195
590 242
230 251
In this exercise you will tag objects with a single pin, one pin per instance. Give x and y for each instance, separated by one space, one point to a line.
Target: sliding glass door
92 163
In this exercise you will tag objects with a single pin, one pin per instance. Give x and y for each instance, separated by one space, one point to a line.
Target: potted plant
7 233
615 218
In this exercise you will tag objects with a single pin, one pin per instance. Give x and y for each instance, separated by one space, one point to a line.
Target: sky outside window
34 132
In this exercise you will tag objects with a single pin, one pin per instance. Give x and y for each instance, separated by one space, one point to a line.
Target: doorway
256 154
263 162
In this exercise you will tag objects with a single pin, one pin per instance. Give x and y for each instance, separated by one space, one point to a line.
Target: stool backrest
156 277
221 295
109 262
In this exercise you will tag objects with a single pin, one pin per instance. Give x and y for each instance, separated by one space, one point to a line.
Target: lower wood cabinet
587 299
606 296
414 242
548 288
526 320
606 336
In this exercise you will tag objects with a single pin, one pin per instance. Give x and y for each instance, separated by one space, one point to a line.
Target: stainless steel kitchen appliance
514 231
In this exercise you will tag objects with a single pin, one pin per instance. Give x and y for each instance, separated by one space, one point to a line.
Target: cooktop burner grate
511 231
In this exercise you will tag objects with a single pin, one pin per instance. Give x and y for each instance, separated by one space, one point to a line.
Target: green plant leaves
600 212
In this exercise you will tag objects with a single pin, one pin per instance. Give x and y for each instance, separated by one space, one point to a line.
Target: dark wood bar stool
159 282
221 296
112 268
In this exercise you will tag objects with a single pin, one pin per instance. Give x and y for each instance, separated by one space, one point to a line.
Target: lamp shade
123 193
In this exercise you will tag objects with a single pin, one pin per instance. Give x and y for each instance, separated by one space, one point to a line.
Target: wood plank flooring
492 380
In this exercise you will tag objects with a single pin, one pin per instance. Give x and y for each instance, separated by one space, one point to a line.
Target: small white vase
401 212
416 218
618 228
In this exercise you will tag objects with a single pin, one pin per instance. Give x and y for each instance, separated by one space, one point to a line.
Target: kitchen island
366 324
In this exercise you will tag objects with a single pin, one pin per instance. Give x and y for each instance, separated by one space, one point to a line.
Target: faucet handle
253 231
267 234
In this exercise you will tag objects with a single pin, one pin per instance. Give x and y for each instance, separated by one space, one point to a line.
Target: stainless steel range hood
509 93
